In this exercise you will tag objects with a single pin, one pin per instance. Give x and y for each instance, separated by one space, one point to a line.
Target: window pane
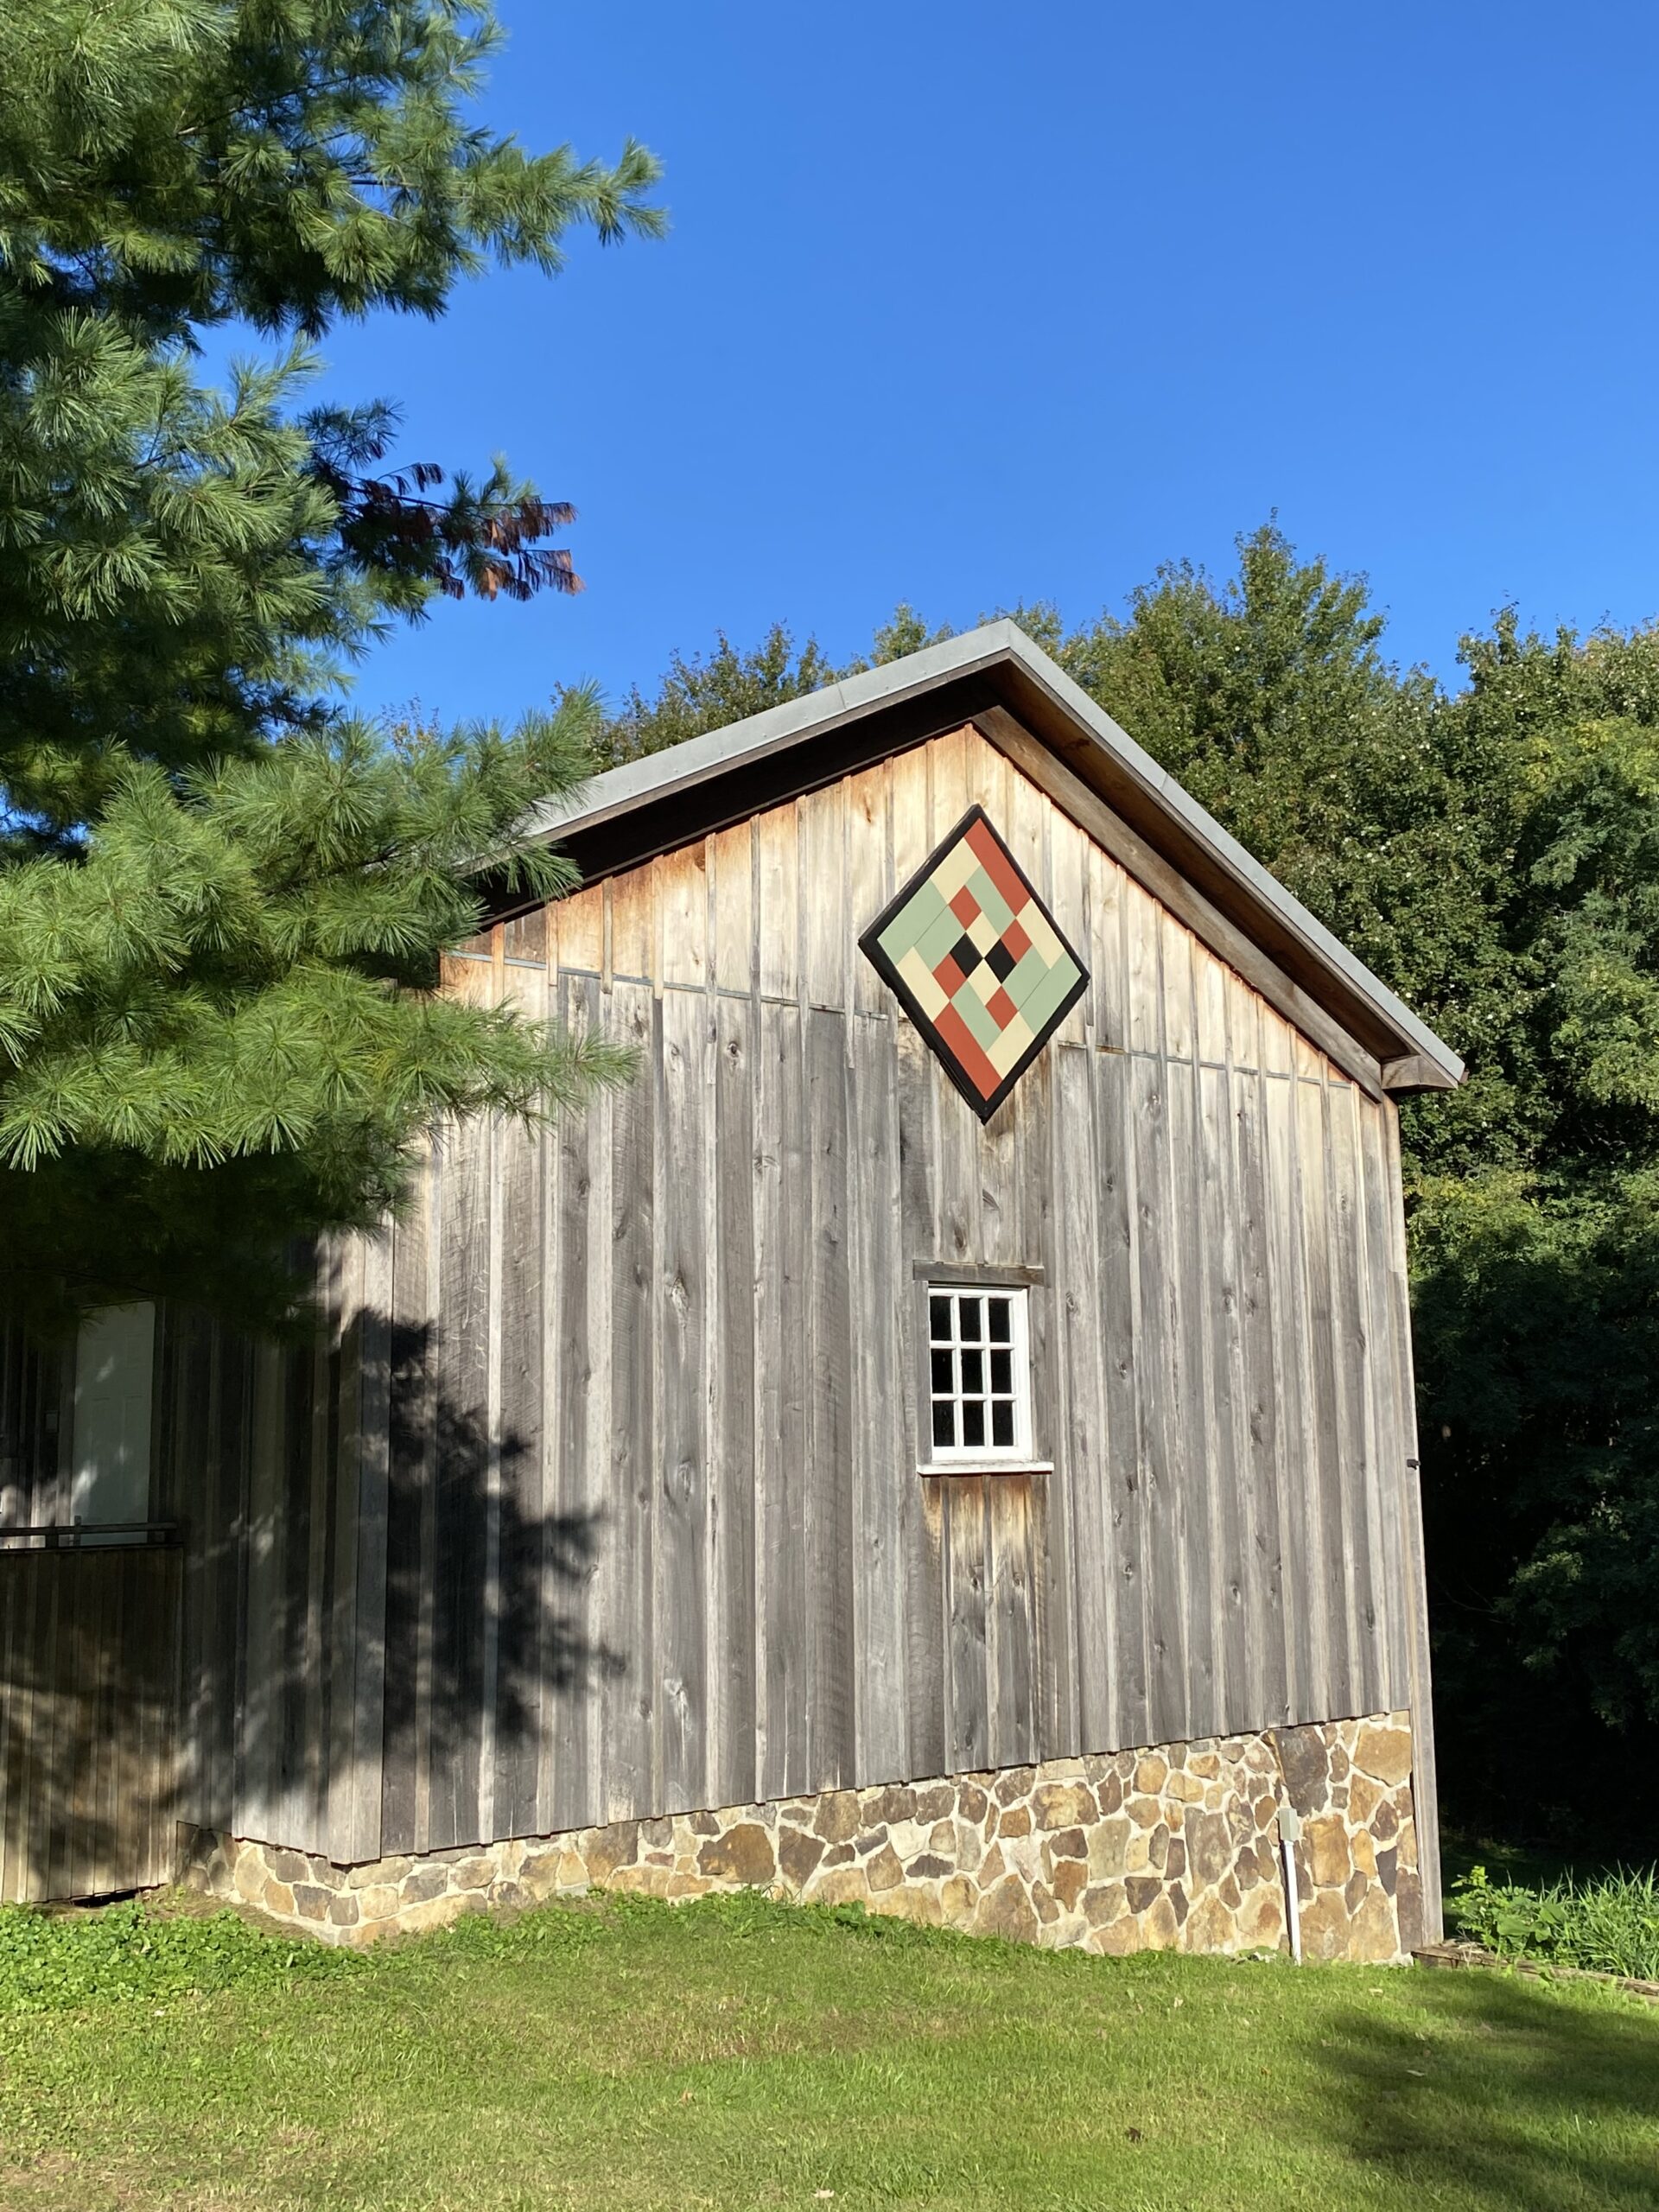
114 1355
978 1383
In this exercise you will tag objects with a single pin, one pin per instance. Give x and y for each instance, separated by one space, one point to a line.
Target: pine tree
222 900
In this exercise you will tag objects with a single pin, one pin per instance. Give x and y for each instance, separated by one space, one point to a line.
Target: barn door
89 1640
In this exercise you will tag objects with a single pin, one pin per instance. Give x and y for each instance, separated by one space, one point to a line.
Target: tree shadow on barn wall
1503 2094
384 1633
493 1656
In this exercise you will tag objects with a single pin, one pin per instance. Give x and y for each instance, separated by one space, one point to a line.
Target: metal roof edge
1240 865
679 767
994 645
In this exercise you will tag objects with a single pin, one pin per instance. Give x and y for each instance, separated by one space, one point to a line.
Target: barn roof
1023 702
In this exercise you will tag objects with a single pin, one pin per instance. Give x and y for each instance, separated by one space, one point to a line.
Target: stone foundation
1173 1848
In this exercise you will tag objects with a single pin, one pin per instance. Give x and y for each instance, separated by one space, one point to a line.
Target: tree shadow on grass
1521 2097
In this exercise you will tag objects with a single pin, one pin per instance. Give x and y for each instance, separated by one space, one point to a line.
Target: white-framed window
978 1374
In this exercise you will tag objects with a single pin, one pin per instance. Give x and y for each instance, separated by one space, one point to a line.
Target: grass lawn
735 2053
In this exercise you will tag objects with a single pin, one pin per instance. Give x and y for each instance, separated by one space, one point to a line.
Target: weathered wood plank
296 1800
777 919
526 1659
373 1495
1390 1451
1425 1785
681 886
680 1534
629 912
346 1647
731 869
732 1599
1068 890
628 1698
1322 1500
884 1483
464 1484
782 1305
1144 998
259 1737
575 935
1161 1385
1264 1691
1304 1614
575 1581
920 1522
410 1471
870 882
1356 1485
827 929
1228 1594
1086 1448
1192 1380
830 1717
962 1507
1011 1656
1114 1298
525 938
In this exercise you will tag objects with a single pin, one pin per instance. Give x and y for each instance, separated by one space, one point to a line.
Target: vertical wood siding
598 1497
88 1734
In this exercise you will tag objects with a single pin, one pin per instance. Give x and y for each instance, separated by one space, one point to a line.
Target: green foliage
1610 1925
174 163
224 1022
54 1961
697 694
222 902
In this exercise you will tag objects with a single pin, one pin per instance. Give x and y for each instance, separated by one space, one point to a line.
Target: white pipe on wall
1290 1827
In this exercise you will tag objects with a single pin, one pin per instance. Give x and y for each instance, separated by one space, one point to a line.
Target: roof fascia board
613 838
741 745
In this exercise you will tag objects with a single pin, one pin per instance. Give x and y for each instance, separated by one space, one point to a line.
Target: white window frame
960 1458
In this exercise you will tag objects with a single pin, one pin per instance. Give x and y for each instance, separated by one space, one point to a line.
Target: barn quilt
977 962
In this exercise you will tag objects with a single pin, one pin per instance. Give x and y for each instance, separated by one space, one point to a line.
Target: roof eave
809 741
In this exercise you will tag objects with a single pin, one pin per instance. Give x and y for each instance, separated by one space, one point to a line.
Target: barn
939 1437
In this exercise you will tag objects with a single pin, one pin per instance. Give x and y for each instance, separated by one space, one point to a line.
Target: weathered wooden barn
941 1435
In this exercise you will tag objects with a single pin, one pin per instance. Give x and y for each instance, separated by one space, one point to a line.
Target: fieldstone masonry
1172 1848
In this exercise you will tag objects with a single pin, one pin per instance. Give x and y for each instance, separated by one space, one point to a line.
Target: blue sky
964 304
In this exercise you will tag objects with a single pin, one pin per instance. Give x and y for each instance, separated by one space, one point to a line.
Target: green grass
126 1952
627 2055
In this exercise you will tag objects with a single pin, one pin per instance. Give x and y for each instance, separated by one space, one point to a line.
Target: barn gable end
600 1530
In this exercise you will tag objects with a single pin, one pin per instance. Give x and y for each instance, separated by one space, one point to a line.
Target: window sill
929 1468
93 1535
